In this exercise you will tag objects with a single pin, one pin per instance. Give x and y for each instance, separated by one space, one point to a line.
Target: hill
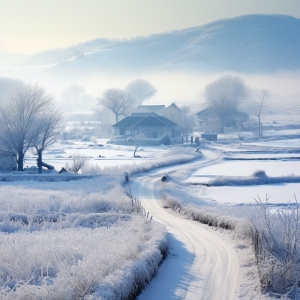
251 43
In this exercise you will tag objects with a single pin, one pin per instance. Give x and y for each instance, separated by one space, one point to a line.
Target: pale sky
29 26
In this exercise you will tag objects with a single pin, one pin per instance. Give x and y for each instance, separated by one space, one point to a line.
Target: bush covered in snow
259 173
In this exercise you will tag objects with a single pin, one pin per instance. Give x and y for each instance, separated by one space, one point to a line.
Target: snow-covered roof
142 120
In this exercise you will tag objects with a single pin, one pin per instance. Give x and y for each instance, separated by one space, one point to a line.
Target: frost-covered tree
47 128
262 98
225 95
141 90
118 101
18 119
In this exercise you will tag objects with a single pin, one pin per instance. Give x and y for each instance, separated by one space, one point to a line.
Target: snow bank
253 180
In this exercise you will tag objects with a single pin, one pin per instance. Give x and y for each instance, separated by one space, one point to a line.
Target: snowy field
238 163
99 213
265 214
101 154
83 238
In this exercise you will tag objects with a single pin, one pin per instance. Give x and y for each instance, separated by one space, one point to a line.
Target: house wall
148 132
152 132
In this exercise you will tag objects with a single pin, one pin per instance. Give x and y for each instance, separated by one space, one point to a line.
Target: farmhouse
208 117
158 109
151 125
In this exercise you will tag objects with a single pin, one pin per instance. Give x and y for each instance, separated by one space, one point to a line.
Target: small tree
46 130
263 96
118 101
141 90
78 162
18 119
187 122
224 96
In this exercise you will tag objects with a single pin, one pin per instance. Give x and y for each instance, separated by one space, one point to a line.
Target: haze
32 26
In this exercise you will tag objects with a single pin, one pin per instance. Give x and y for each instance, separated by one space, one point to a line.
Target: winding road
201 264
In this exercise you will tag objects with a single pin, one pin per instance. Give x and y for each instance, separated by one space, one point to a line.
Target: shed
209 136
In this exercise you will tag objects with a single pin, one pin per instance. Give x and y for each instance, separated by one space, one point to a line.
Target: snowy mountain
252 43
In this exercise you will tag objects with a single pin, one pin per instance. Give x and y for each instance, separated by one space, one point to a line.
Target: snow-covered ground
194 269
240 163
202 264
100 154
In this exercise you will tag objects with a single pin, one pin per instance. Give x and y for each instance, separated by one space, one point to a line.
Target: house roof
144 120
173 106
149 108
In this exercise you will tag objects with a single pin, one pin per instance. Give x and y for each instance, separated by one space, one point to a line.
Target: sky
32 26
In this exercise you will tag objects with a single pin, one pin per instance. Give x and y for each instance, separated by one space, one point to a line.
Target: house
209 136
162 110
171 112
151 125
208 117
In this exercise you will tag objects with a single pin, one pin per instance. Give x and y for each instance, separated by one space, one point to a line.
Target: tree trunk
20 161
259 131
222 127
39 161
222 124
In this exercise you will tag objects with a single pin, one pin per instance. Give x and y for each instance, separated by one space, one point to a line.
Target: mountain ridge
250 43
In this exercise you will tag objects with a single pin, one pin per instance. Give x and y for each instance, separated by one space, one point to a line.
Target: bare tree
78 162
141 90
118 101
18 117
263 96
187 121
225 95
47 128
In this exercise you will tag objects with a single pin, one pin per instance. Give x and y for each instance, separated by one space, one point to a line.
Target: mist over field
262 49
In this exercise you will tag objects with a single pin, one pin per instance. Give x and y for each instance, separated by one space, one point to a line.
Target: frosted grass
72 262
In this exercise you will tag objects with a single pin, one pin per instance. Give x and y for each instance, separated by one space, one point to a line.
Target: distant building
208 117
150 109
171 112
209 136
151 125
162 110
